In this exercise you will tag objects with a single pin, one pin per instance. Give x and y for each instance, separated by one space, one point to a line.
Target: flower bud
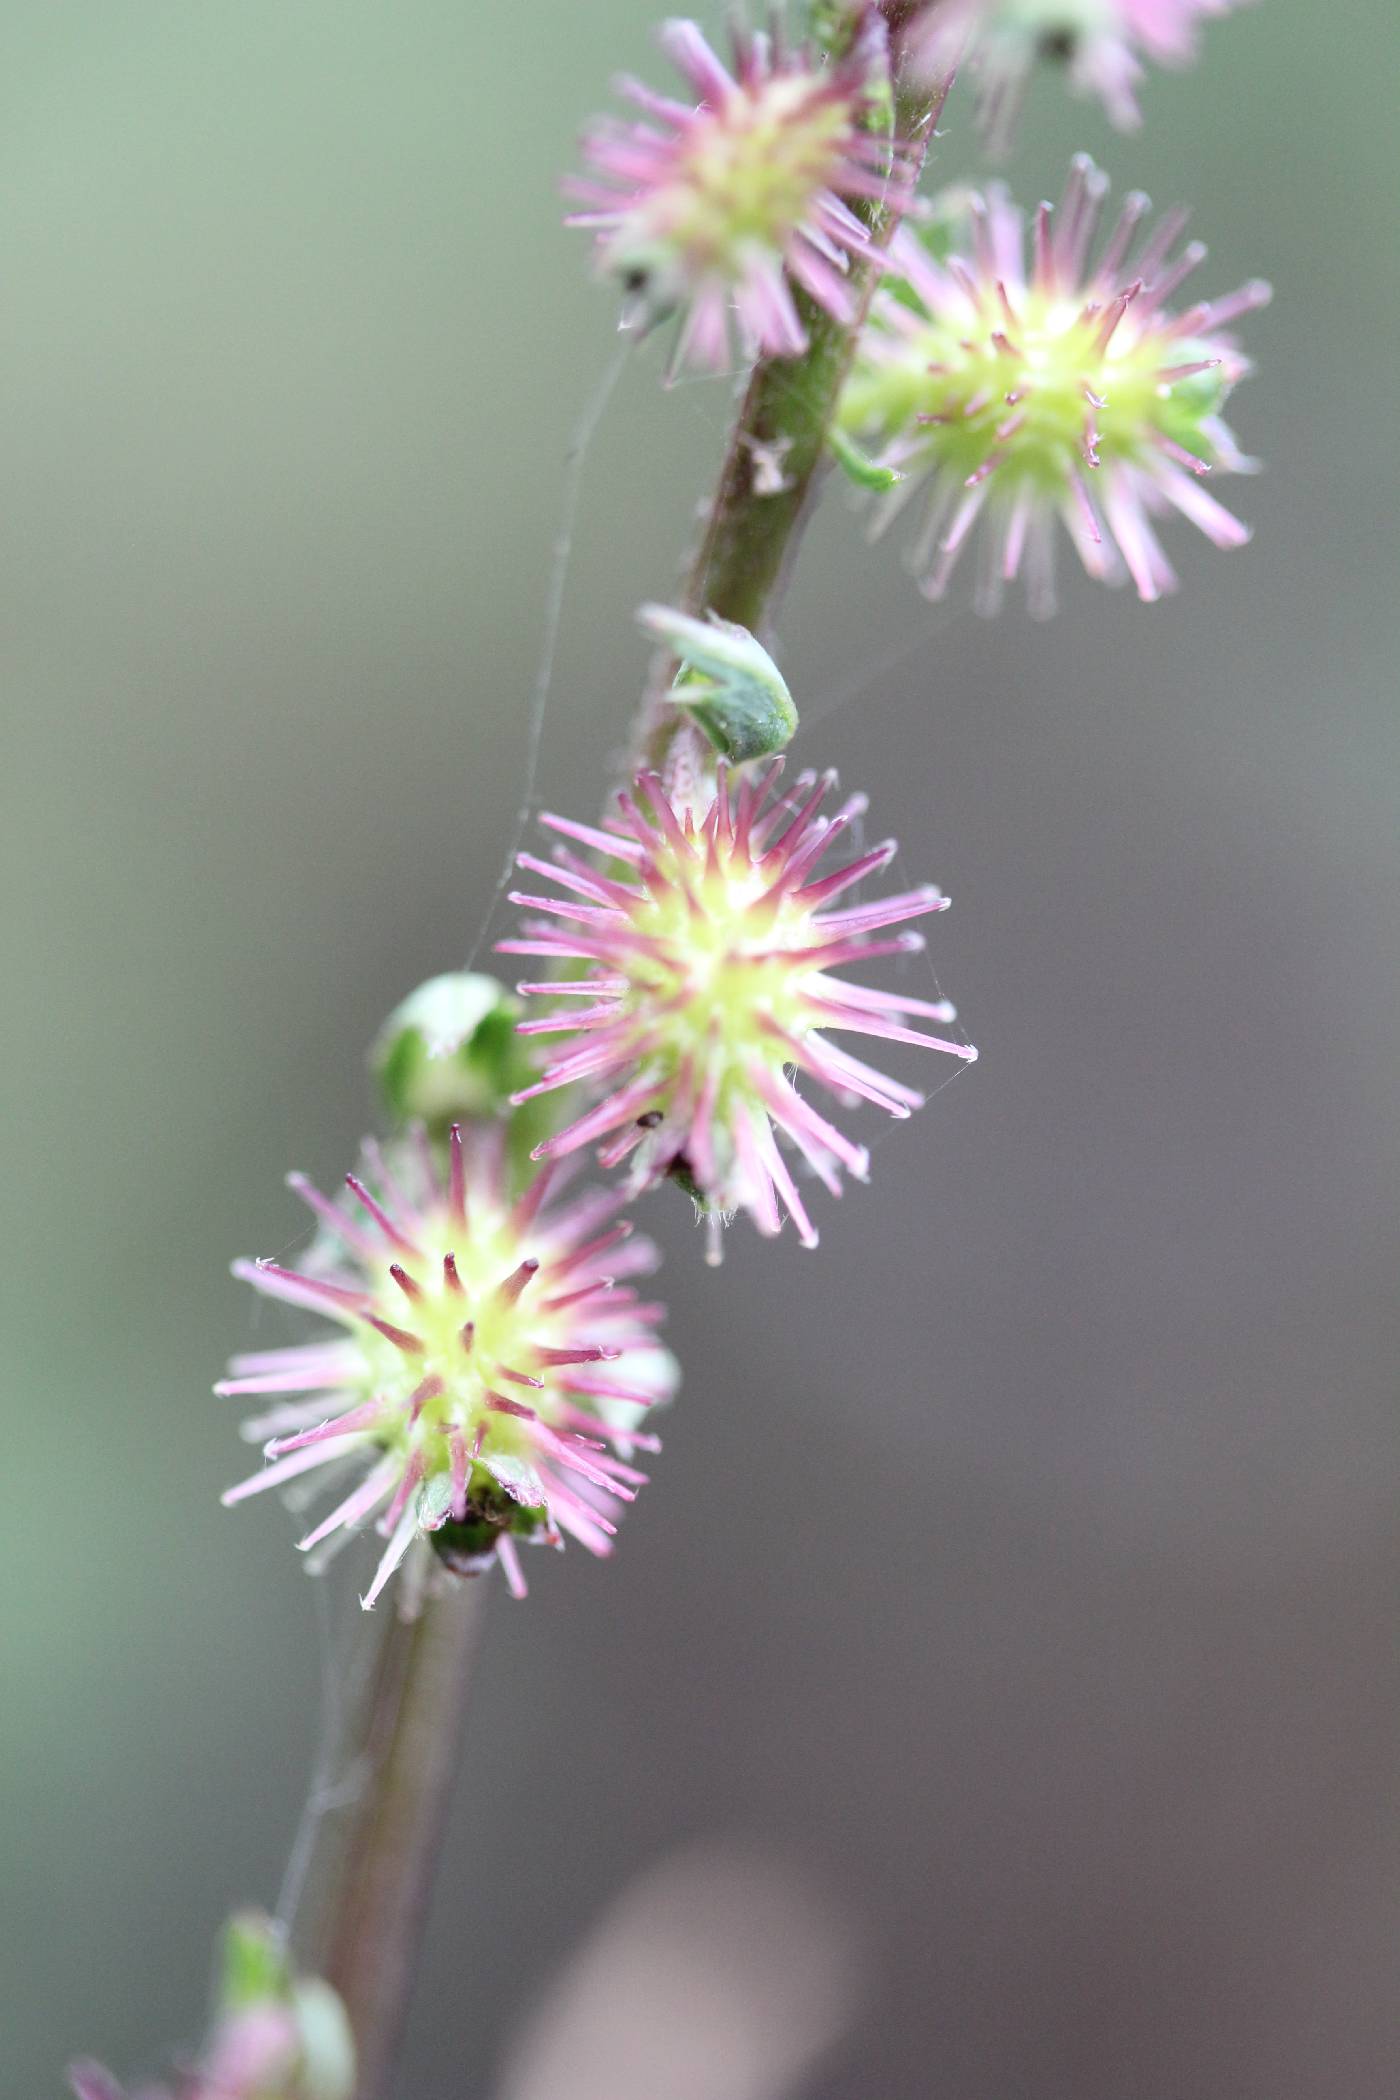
448 1052
727 681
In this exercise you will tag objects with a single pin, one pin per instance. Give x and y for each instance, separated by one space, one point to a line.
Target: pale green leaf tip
859 467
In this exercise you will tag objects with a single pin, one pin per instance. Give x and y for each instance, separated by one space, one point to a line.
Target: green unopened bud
449 1052
252 1963
327 2045
727 681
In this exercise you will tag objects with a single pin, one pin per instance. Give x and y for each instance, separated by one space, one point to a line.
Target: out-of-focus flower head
714 942
1101 43
1013 389
716 209
488 1354
274 2035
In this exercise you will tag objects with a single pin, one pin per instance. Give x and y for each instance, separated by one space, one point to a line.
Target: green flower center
1032 391
747 175
465 1312
721 966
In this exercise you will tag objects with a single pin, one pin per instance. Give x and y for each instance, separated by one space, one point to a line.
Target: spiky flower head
488 1353
1101 43
1015 389
714 941
717 210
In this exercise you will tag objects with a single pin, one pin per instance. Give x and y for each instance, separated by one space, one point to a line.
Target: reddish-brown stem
410 1734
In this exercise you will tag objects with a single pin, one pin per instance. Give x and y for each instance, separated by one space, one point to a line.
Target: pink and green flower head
275 2035
717 949
716 209
487 1366
1019 383
1101 43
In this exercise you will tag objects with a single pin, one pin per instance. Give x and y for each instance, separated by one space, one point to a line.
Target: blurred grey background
1020 1571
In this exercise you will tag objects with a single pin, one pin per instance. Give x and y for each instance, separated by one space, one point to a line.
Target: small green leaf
727 681
865 472
519 1479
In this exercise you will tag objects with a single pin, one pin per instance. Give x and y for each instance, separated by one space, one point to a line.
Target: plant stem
410 1736
752 526
410 1729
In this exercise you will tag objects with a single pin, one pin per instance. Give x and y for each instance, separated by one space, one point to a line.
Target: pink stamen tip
411 1344
509 1558
430 1389
460 1464
413 1473
457 1178
515 1283
345 1229
343 1425
500 1405
291 1282
380 1216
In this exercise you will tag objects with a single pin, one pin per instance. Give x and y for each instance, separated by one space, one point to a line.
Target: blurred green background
1023 1566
